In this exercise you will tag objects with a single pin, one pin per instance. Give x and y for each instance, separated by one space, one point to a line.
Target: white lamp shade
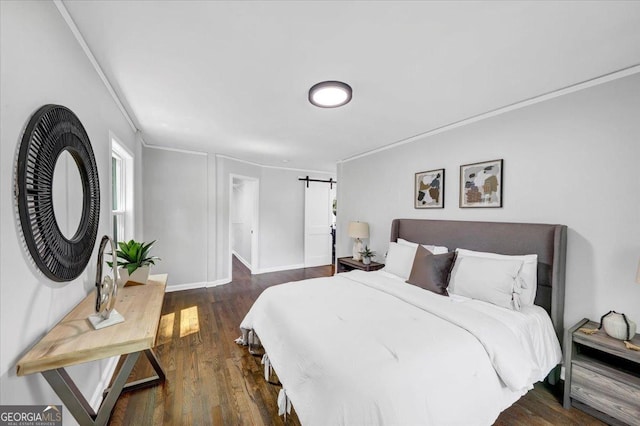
358 229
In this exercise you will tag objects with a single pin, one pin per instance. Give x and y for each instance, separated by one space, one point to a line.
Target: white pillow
491 280
432 249
528 273
400 260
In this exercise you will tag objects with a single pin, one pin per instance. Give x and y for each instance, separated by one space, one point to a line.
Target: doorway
243 221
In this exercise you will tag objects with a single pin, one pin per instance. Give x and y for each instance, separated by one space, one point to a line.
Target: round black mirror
52 131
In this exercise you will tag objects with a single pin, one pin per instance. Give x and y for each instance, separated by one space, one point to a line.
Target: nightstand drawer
606 394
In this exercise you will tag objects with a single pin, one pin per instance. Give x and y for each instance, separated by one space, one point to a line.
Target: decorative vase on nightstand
615 325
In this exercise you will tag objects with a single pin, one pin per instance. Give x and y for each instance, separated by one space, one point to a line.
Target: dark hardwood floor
213 381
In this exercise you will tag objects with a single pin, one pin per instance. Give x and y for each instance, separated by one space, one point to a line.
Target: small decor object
481 184
617 326
106 291
358 230
367 255
134 261
429 190
52 130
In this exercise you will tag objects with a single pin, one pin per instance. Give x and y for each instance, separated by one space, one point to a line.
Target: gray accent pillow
431 271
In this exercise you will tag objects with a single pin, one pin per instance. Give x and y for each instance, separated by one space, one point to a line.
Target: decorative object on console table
346 264
106 291
367 255
429 190
135 262
358 230
602 376
481 184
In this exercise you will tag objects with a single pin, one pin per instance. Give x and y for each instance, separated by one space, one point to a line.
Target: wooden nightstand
602 376
346 264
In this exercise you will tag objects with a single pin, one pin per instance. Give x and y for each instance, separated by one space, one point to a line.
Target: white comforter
363 348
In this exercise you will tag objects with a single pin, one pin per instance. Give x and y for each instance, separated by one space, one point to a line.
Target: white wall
282 218
571 160
175 213
41 62
180 203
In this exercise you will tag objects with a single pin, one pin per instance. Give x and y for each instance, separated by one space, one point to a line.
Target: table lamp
358 230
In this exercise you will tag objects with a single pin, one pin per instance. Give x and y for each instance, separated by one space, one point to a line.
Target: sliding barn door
318 218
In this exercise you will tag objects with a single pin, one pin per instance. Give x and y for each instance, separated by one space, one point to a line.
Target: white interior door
317 224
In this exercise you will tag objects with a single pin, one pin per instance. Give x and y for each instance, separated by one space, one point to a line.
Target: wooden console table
74 341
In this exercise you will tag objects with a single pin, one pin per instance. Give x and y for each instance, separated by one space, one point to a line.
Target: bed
368 348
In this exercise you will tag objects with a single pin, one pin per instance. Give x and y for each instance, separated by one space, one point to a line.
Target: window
121 192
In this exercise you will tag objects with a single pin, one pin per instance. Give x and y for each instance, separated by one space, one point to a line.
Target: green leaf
145 248
123 247
133 254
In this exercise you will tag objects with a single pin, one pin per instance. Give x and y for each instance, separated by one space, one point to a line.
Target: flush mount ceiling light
330 94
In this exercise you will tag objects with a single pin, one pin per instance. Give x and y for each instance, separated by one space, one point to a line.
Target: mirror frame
52 130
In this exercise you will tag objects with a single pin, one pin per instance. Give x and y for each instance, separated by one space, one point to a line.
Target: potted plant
367 255
134 262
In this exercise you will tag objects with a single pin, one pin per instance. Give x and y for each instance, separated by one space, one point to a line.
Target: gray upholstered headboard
549 242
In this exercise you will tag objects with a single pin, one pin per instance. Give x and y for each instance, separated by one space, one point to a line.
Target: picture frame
481 184
429 189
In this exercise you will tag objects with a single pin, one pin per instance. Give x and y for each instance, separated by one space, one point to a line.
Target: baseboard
193 286
218 282
187 286
241 259
281 268
105 380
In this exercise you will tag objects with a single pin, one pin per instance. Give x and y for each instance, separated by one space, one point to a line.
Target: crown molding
85 47
252 163
166 148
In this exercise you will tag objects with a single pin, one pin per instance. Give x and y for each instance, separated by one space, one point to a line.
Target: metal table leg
77 404
158 378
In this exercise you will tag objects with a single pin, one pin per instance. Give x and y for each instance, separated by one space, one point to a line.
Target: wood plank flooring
213 381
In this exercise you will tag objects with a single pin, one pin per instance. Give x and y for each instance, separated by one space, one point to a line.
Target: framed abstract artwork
429 190
481 184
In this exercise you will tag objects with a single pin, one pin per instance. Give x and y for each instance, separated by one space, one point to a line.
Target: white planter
139 276
366 260
615 326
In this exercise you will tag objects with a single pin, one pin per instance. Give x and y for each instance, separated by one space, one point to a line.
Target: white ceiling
233 77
